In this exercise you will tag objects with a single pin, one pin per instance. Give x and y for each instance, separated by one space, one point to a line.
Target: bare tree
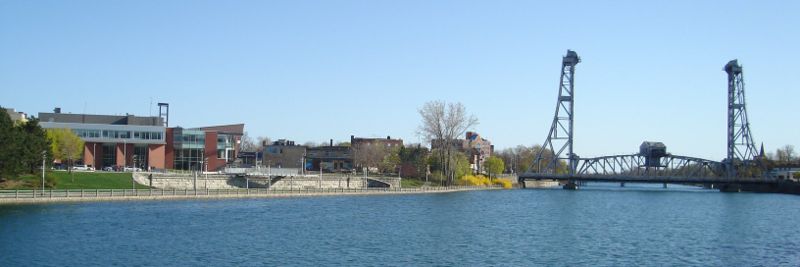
247 143
368 155
442 123
263 141
789 150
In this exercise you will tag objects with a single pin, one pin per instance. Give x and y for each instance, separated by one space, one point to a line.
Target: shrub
505 182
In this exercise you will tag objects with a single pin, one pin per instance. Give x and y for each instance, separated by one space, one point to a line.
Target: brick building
147 142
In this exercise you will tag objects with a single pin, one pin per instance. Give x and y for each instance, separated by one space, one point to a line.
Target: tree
494 165
789 150
442 123
391 159
264 141
10 144
415 156
368 155
460 165
35 141
65 145
247 144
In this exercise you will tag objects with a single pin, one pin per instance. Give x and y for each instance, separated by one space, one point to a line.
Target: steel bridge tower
741 148
560 137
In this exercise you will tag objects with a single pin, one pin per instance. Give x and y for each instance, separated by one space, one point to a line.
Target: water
598 225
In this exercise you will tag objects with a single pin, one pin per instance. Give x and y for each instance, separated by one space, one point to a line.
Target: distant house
388 141
329 158
477 149
786 172
17 117
284 154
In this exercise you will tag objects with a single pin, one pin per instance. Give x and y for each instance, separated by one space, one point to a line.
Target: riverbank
83 195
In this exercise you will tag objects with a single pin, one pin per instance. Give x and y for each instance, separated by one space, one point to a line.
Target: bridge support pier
665 185
730 188
622 184
570 185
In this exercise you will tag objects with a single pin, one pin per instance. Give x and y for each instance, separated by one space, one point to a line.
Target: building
329 158
114 140
387 142
284 154
17 117
147 142
477 149
204 148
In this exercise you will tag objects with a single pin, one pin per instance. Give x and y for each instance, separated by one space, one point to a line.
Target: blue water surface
600 225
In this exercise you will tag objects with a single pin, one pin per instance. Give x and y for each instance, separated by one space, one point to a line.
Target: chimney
331 142
57 110
352 138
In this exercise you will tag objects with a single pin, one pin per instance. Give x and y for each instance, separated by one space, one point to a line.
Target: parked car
83 167
131 169
110 168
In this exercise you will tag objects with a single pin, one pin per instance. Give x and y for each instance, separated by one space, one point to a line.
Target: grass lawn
76 180
408 182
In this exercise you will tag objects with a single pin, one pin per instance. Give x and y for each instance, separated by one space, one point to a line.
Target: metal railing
127 193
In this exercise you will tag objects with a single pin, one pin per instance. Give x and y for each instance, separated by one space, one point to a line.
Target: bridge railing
125 193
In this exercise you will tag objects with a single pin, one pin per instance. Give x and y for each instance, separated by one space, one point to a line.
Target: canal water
599 225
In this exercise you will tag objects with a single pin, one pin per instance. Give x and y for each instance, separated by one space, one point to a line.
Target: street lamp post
133 182
44 159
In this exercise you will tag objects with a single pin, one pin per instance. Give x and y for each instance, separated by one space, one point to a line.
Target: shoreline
106 195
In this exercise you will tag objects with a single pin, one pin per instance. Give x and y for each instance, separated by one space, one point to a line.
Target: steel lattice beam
741 148
559 140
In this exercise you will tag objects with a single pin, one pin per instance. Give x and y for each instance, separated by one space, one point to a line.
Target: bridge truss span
639 165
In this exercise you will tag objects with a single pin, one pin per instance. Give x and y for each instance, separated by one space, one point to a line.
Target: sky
320 70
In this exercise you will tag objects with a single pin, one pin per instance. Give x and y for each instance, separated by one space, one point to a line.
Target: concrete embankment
787 187
77 195
219 181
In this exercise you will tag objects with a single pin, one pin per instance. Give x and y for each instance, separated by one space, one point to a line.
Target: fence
127 193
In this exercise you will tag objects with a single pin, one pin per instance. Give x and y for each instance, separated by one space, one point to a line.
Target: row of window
90 133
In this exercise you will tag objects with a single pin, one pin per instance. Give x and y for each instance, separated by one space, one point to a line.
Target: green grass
78 180
409 182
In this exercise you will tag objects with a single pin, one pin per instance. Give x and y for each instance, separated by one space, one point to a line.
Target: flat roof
100 119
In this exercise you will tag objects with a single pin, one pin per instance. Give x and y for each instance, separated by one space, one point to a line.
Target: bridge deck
648 179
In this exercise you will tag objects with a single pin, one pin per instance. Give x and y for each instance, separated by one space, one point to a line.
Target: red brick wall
124 155
169 149
90 152
211 152
156 156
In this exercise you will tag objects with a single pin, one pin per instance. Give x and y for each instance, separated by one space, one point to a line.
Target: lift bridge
556 160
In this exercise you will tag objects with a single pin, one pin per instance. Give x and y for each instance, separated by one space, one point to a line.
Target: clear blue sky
315 70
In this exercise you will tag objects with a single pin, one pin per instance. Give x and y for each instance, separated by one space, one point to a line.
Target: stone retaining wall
216 181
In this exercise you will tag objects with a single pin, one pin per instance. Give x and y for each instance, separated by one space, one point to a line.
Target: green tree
65 145
494 165
35 141
391 160
10 143
416 156
461 165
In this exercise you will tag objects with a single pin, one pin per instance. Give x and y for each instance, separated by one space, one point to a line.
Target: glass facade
109 155
189 149
225 146
140 156
117 134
